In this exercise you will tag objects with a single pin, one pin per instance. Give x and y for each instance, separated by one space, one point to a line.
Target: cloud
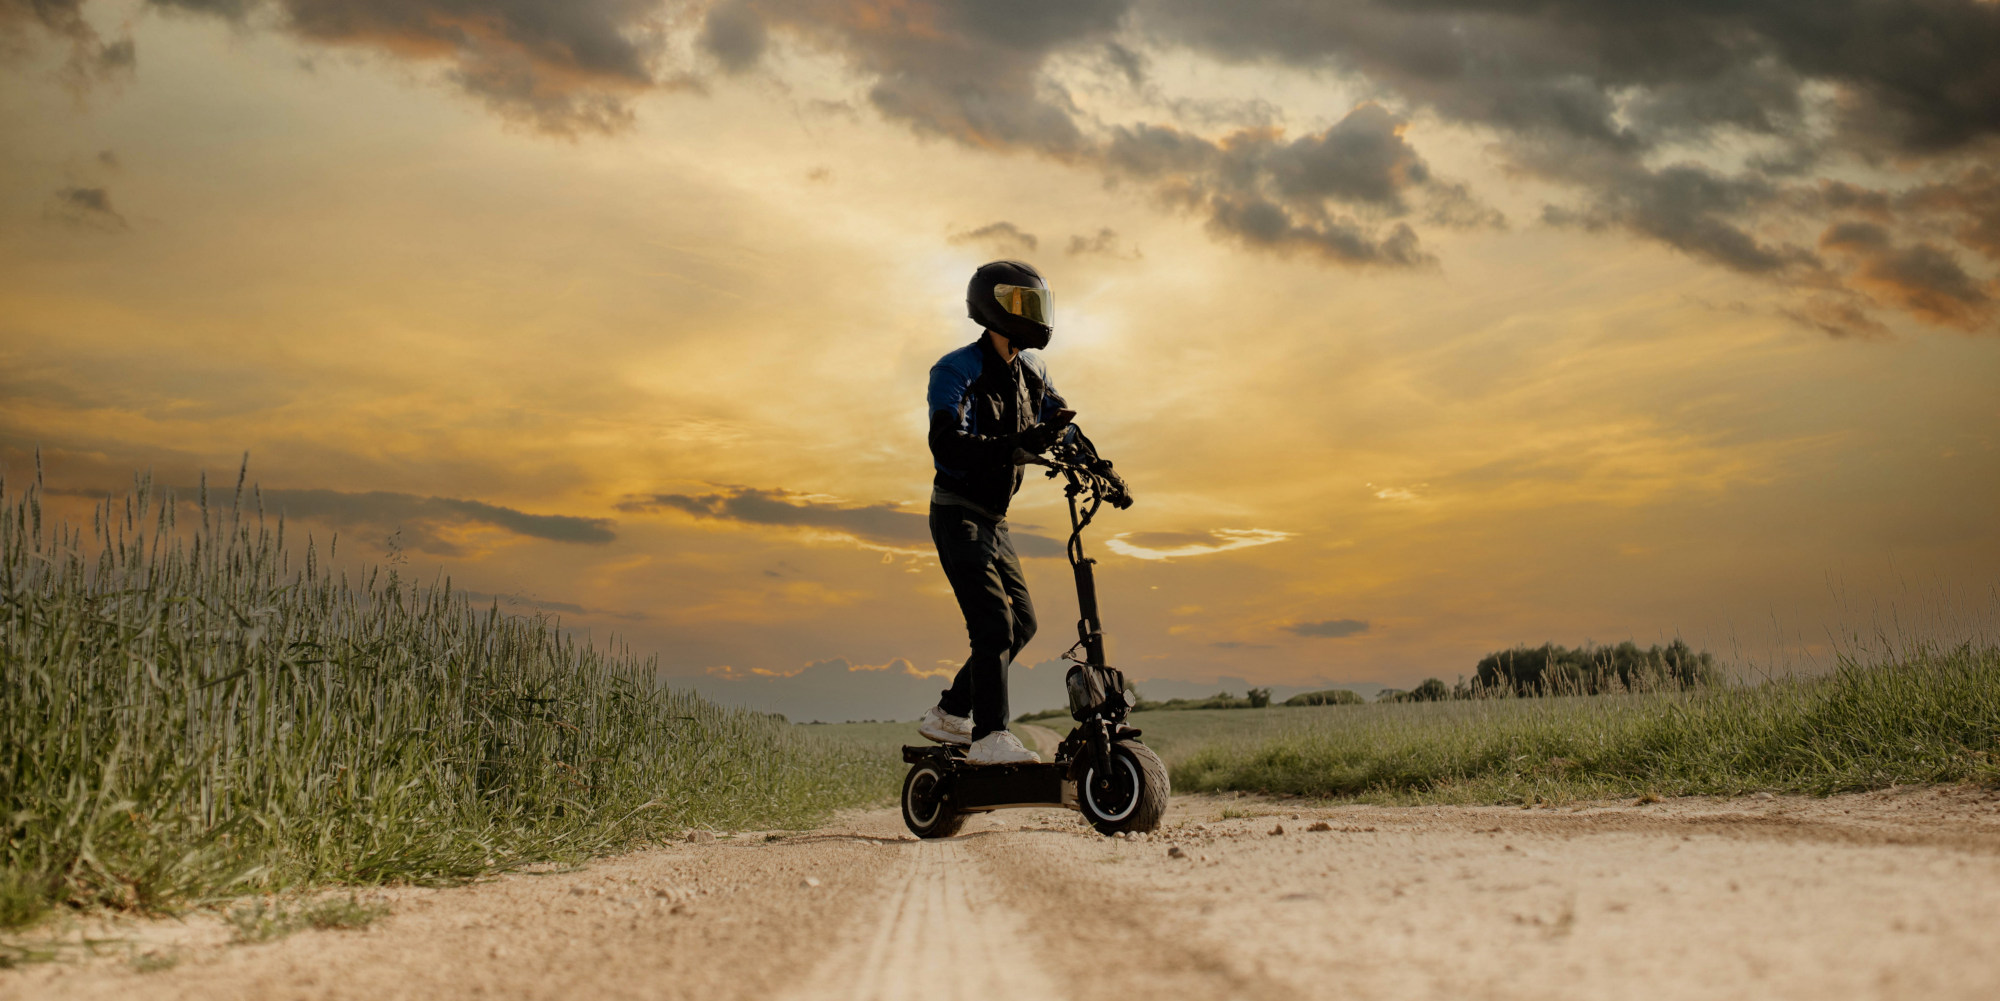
1589 94
88 208
1709 130
1003 235
415 517
1330 628
91 59
734 34
1916 75
1175 545
963 69
879 524
545 605
383 506
1408 493
1690 208
1969 201
1922 278
1309 193
564 67
1836 316
1105 243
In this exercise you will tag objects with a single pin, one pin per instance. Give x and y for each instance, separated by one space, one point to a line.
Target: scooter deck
976 788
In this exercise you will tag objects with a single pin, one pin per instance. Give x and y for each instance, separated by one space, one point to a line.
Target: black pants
979 560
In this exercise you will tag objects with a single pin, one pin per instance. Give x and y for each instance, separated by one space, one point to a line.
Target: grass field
1919 716
187 715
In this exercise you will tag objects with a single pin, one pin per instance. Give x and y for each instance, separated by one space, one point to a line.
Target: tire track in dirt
939 935
1888 895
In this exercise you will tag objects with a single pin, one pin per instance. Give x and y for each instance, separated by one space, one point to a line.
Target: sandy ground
1884 895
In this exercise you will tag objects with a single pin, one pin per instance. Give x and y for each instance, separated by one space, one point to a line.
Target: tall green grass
1920 715
186 713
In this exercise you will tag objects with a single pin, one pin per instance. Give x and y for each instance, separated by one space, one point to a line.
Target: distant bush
1431 690
1037 717
1258 697
1220 700
1592 670
1329 697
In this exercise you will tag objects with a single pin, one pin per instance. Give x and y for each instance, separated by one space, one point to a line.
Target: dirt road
1886 895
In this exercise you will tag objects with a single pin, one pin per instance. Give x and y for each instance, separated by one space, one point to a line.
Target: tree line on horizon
1519 672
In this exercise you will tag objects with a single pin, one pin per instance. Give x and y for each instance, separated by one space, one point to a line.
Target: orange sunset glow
1420 331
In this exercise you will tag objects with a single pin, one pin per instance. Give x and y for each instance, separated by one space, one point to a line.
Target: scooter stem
1089 627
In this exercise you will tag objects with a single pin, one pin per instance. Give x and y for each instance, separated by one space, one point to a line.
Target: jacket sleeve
1052 401
953 445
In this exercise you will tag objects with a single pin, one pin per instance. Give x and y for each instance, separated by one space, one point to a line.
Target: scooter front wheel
925 811
1132 798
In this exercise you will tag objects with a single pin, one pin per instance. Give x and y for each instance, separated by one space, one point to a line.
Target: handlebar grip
1120 496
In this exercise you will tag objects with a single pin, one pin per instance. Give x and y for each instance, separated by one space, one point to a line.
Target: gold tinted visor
1024 301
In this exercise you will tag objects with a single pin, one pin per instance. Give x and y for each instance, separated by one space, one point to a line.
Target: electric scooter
1101 769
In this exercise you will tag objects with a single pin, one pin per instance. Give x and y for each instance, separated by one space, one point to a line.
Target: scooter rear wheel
925 812
1132 798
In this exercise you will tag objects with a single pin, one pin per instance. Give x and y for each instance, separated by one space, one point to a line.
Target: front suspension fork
1100 749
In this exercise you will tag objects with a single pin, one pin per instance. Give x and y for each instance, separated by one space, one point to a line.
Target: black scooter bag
1094 690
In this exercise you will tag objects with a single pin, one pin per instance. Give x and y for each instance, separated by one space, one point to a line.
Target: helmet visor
1024 301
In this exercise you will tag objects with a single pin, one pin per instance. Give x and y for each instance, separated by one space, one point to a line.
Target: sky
1420 330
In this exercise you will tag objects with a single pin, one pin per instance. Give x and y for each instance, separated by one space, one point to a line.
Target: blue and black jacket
978 403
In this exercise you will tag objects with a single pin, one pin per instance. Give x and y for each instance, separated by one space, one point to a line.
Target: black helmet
1011 298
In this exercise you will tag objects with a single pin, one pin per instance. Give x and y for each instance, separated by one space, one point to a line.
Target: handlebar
1087 471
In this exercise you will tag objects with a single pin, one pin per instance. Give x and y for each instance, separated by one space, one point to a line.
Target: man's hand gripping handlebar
1077 458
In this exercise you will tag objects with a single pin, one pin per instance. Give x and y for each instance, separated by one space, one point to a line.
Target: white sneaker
1000 747
945 728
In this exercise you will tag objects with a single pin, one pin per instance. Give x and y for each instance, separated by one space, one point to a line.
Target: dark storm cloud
1920 72
1128 63
232 9
1582 91
883 524
1623 103
1003 235
1691 209
1331 628
89 208
1362 160
1922 278
734 34
1289 195
1969 202
963 69
91 59
560 66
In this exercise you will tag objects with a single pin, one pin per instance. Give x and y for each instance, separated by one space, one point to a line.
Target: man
989 400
